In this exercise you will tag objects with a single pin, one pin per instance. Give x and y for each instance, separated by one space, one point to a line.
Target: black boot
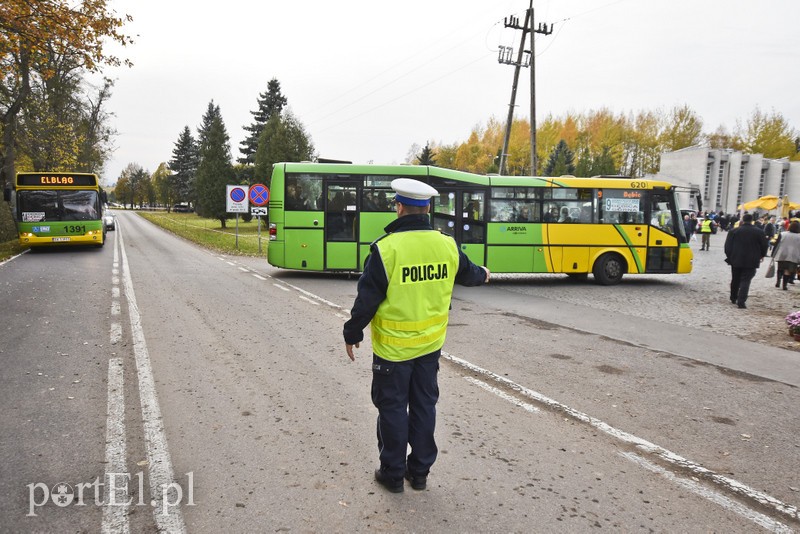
786 278
778 278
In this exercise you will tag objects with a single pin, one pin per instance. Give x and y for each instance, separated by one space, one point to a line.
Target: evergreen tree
585 163
270 104
426 157
560 161
185 158
283 139
603 163
215 170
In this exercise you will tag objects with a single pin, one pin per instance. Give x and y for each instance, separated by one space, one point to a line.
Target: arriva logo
514 229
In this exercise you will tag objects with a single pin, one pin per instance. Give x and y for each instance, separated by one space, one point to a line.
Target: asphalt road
565 407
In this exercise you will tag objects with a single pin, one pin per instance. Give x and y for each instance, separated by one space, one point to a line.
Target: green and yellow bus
323 217
57 208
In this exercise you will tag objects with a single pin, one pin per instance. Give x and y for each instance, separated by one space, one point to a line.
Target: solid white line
159 463
666 455
115 512
260 277
302 297
733 506
502 394
12 258
315 297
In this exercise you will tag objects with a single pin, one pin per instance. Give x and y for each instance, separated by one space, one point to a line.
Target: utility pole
525 58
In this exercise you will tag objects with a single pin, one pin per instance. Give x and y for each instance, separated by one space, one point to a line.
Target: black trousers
740 283
405 394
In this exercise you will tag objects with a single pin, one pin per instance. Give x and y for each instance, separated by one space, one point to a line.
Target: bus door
341 226
462 214
666 233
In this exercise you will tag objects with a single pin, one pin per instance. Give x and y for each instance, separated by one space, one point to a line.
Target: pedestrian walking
787 254
405 292
745 249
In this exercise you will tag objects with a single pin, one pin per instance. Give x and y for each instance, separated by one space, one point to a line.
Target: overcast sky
369 78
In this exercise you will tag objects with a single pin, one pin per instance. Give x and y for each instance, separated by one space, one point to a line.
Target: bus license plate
55 239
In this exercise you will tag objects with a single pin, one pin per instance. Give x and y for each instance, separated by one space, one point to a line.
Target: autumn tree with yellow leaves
46 47
605 142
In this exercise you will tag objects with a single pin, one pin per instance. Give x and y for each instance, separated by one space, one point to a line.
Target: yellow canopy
769 202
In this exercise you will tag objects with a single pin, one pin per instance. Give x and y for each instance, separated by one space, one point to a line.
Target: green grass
10 248
210 234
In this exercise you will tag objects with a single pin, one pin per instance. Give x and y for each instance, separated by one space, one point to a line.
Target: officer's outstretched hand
350 351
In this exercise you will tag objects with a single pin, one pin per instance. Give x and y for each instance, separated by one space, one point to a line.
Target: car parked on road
109 221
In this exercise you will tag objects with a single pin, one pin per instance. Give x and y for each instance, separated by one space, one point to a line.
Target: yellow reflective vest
421 267
705 227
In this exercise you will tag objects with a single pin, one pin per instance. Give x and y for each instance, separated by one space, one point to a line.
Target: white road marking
115 513
115 310
12 258
666 455
502 394
751 515
315 297
303 297
279 286
244 270
115 292
260 277
230 263
159 462
116 333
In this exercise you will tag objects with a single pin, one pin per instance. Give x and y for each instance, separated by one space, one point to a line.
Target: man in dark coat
745 248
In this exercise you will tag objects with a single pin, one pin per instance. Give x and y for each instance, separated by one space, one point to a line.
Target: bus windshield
56 205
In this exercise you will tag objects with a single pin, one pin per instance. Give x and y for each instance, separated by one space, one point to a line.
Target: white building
726 178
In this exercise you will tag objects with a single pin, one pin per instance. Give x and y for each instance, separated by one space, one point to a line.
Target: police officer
405 291
706 229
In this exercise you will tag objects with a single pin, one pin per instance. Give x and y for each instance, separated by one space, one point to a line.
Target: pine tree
561 161
269 104
426 157
215 170
185 158
603 163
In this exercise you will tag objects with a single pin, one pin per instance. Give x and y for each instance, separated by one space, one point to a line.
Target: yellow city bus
58 208
323 217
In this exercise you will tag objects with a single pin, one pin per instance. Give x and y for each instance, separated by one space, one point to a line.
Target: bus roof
597 182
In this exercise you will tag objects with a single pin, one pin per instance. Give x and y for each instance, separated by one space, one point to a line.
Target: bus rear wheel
608 269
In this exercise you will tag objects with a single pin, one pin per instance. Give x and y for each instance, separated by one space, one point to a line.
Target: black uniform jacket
373 283
745 246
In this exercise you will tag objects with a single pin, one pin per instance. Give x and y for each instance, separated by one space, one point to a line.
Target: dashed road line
115 509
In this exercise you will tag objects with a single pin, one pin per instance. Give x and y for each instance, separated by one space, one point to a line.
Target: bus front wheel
608 269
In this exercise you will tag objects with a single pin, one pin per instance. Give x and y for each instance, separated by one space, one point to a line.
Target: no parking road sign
236 199
259 195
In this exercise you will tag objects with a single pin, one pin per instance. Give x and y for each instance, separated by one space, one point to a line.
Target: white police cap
412 192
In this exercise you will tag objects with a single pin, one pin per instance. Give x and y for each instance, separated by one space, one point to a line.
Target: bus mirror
7 193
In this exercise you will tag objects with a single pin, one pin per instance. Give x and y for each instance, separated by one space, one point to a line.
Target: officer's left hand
350 351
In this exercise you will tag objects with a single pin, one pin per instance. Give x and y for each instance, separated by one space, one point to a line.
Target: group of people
750 241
